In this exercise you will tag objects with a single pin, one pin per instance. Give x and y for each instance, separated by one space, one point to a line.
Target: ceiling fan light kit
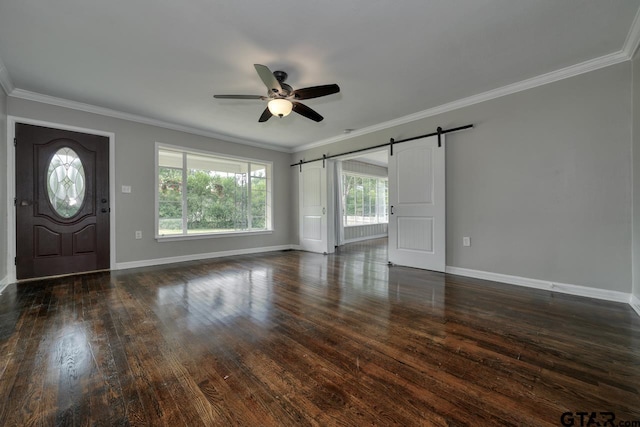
280 107
282 97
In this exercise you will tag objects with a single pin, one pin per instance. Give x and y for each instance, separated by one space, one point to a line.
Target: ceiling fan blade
268 78
239 96
303 110
266 115
316 91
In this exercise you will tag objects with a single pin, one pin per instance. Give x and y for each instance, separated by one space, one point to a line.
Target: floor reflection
223 294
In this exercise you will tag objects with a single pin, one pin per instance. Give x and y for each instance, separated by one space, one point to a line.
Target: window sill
180 237
365 225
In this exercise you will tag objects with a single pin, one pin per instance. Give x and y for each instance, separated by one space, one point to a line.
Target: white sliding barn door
417 204
313 208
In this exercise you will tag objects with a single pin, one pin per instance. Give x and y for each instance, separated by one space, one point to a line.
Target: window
365 199
206 194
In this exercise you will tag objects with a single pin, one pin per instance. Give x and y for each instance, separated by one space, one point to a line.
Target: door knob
26 203
104 200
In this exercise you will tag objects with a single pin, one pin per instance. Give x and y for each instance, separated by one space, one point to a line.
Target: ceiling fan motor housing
281 76
286 90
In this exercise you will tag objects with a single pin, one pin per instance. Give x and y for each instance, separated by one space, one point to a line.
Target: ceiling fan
283 98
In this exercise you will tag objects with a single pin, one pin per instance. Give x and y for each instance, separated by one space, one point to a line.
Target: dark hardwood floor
294 338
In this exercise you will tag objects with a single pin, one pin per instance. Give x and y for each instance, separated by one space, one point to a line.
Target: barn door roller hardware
439 132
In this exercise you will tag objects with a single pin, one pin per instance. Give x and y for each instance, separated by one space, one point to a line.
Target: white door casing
417 204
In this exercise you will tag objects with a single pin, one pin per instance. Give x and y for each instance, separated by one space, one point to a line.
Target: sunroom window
365 199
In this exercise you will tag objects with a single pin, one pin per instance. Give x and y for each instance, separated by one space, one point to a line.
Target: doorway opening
361 192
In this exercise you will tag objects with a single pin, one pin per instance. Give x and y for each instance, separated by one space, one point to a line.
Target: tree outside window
205 194
364 199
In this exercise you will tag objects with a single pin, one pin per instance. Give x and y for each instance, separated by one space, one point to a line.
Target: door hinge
15 201
15 142
15 260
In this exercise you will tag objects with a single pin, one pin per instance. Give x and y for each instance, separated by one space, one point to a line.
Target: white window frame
195 236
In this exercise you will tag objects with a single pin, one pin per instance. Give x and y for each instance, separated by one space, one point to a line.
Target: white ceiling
164 59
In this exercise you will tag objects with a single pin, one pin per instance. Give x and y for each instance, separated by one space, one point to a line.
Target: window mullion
369 193
184 194
249 209
378 200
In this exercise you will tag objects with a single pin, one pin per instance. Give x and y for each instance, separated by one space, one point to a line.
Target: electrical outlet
138 235
466 241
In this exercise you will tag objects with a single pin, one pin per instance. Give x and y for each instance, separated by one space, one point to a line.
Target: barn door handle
324 211
391 210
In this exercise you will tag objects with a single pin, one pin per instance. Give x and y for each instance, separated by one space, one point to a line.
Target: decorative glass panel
65 179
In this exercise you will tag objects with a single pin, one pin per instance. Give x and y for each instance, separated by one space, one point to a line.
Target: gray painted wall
3 186
135 145
542 184
636 176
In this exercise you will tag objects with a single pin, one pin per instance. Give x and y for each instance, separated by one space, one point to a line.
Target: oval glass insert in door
65 182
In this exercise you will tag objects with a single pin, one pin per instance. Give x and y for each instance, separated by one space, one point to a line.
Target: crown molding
543 79
627 52
5 79
631 44
88 108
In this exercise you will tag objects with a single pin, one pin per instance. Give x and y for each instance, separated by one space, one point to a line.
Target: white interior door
417 204
313 208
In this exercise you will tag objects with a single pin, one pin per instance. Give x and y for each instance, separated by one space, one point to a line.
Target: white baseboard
4 283
197 257
634 302
360 239
564 288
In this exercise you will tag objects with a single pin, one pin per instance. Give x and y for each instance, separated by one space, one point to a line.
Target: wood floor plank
295 338
19 389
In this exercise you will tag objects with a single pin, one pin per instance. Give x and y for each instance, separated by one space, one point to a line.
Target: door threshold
78 273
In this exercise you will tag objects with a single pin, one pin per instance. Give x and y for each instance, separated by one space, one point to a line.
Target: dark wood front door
62 202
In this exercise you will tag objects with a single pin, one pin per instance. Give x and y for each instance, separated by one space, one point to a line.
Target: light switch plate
126 189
